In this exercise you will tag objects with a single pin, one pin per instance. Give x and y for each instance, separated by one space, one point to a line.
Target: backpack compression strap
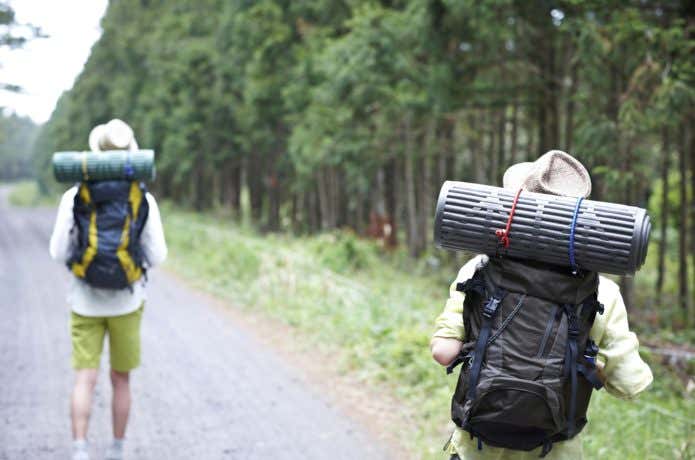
491 307
80 268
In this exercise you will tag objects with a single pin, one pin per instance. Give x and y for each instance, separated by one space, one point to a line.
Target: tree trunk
569 116
254 179
199 178
445 152
691 148
294 213
340 208
231 186
476 148
491 150
501 136
216 189
515 133
409 177
391 200
532 149
323 198
273 193
683 296
663 224
551 99
427 192
312 212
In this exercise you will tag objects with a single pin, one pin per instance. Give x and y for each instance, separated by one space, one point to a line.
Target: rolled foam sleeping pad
608 237
109 165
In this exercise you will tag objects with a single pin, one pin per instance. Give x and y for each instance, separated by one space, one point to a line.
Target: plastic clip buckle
491 307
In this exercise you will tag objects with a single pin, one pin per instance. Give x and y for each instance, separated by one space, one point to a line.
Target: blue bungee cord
128 169
573 262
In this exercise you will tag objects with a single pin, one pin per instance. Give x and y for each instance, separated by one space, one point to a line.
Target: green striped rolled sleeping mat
110 165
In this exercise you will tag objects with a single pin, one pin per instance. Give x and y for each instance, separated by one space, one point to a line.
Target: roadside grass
376 312
27 194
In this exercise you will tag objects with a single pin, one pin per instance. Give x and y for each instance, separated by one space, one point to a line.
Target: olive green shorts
88 340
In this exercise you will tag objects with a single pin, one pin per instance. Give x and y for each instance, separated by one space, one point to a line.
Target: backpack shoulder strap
489 311
474 285
79 267
135 198
131 269
571 352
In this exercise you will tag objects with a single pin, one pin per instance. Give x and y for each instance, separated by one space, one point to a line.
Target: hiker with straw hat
612 361
108 233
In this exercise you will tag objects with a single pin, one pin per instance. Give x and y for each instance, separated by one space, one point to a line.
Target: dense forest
349 114
17 136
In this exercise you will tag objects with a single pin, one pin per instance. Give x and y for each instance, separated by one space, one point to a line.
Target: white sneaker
80 450
115 452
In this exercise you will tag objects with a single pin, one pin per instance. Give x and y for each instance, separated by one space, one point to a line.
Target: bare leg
81 403
120 406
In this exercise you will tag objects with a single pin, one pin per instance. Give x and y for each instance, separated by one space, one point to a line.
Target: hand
600 366
444 351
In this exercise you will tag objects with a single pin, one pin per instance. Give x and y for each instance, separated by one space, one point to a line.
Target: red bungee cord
503 234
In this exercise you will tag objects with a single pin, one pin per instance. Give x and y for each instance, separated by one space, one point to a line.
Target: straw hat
555 173
114 135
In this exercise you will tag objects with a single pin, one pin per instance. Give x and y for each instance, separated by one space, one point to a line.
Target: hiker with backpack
108 233
533 341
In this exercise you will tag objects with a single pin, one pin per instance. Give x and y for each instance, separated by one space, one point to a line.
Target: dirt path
207 389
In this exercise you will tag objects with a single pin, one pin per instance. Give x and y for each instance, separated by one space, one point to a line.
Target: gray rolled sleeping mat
565 231
110 165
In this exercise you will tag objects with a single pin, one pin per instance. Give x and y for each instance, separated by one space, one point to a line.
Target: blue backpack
109 218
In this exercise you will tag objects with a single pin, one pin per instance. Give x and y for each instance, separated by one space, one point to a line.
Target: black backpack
109 218
528 363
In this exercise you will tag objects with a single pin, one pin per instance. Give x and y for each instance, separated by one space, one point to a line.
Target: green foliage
325 104
655 205
343 252
213 254
27 194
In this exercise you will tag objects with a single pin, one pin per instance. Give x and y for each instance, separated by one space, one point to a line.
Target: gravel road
207 388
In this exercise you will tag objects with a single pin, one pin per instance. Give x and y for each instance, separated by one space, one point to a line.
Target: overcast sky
46 67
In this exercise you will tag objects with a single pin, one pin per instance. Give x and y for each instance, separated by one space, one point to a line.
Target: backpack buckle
599 307
463 358
590 352
491 306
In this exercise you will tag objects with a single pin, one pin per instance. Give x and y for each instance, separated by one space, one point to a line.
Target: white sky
48 66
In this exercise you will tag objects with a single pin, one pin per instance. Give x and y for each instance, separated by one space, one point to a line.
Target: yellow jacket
626 374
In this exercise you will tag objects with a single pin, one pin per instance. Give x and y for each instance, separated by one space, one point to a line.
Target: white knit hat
114 135
555 173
